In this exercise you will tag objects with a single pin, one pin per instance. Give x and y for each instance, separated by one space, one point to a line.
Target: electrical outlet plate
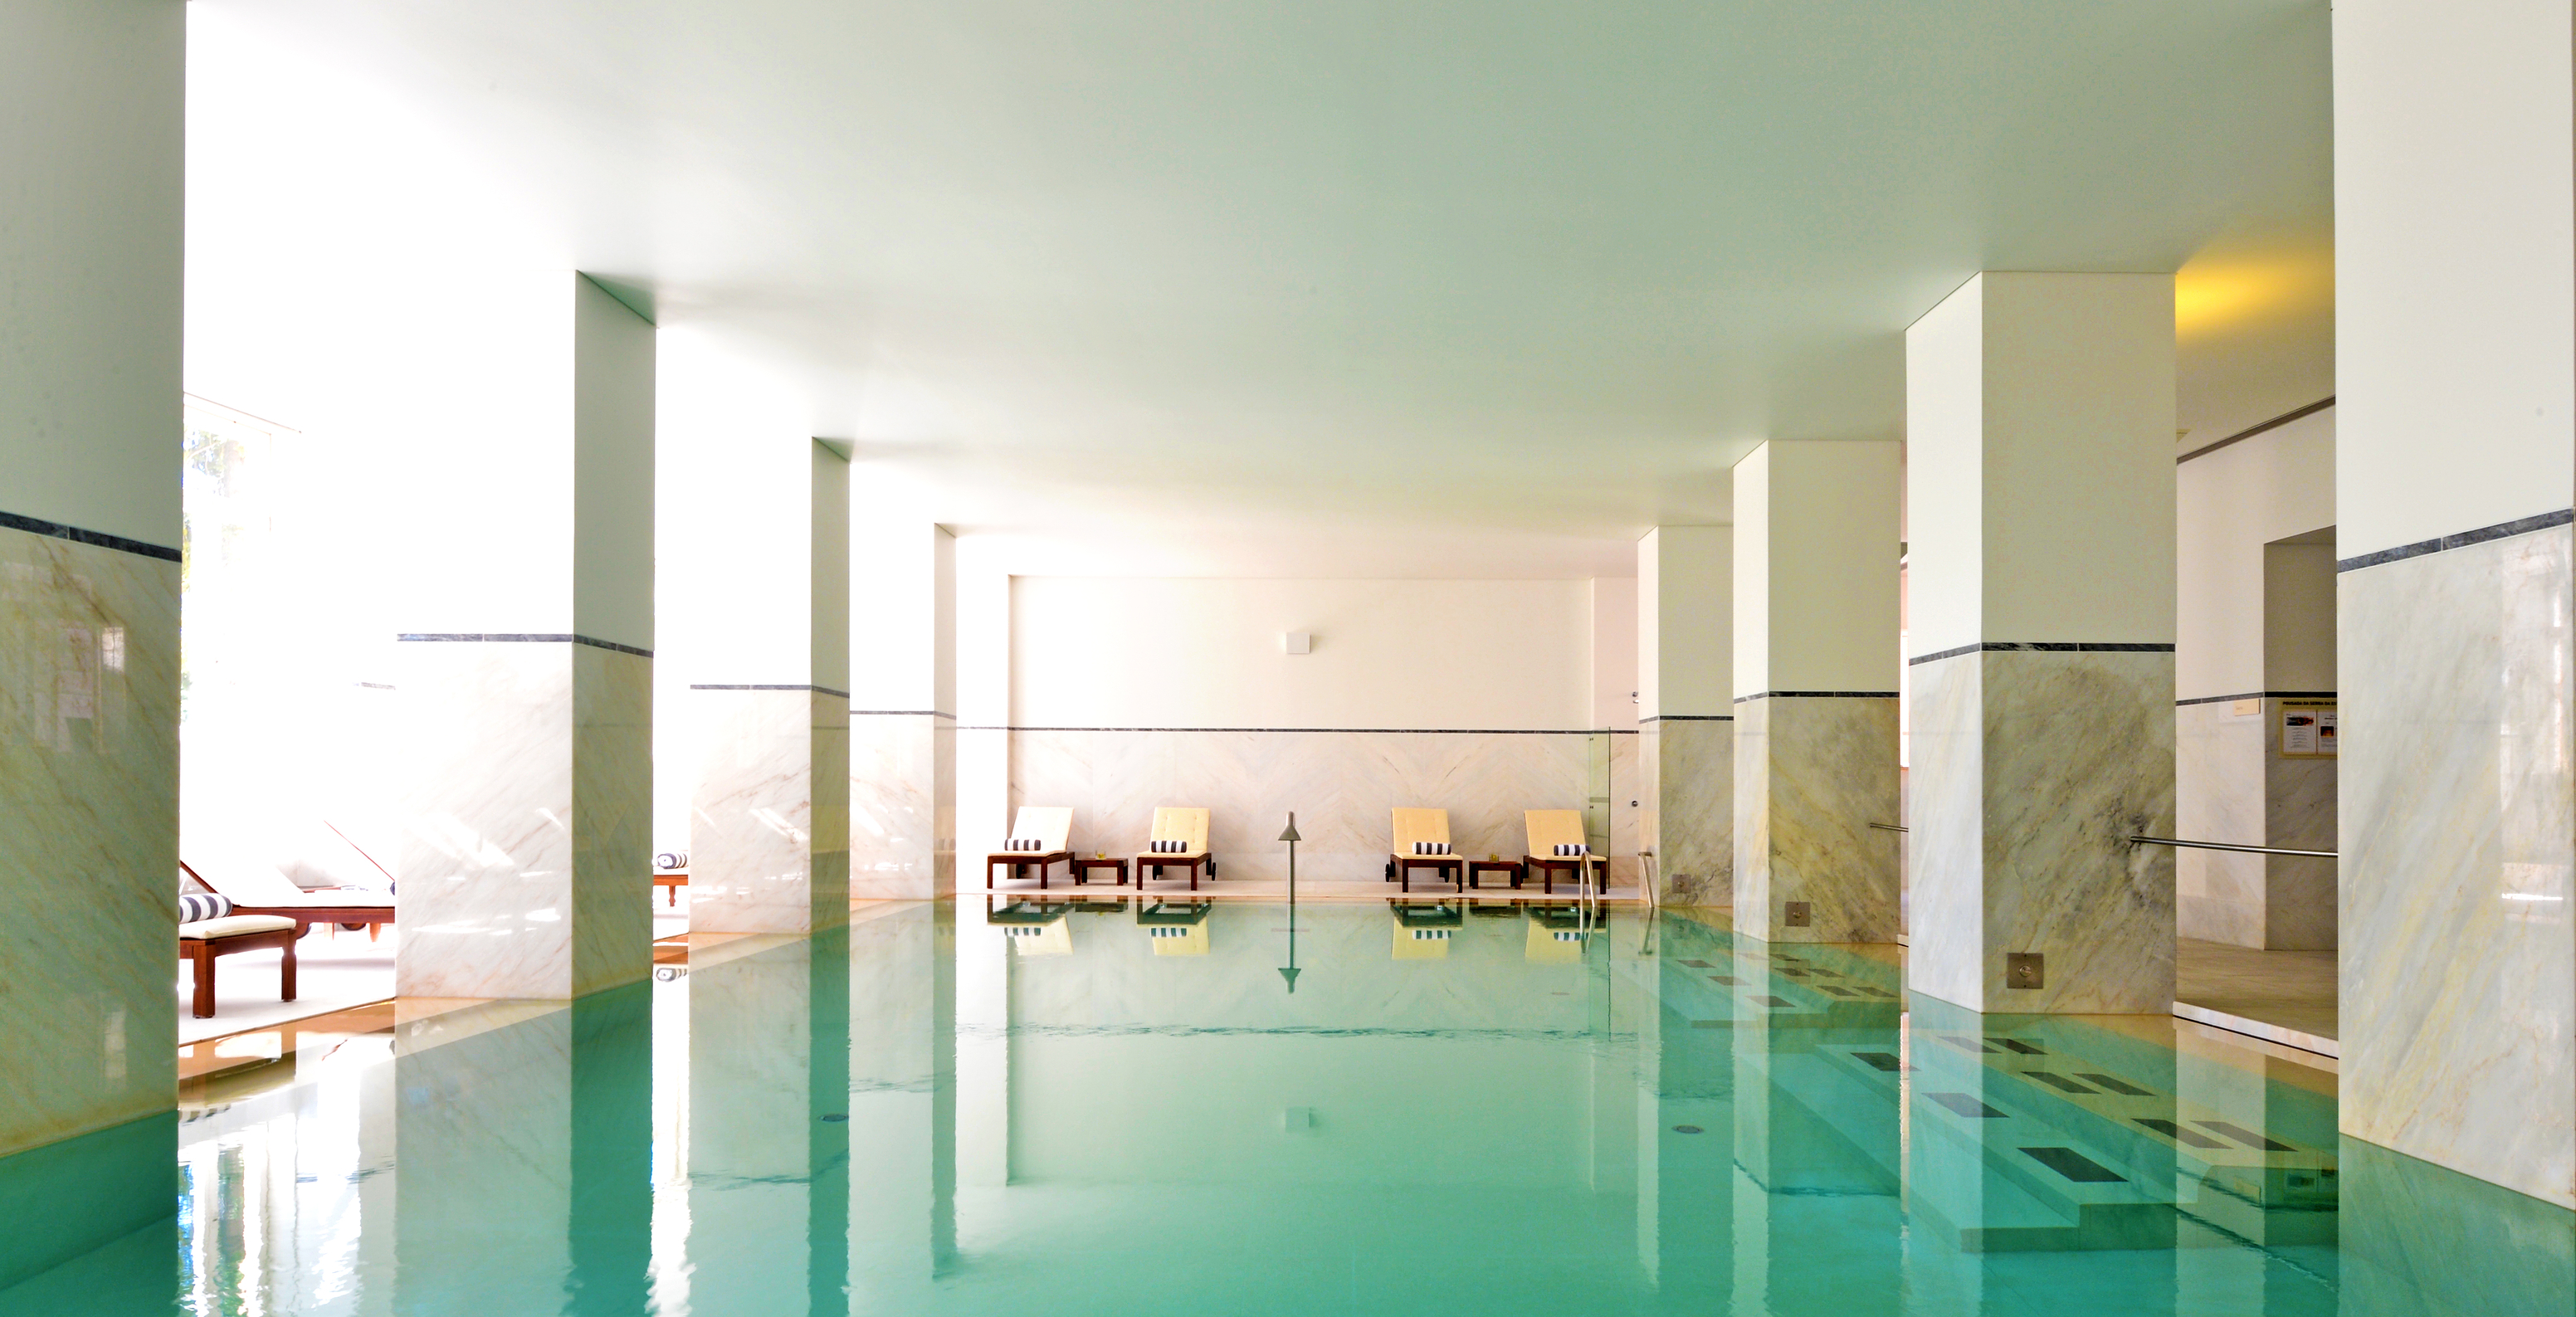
2025 969
1797 914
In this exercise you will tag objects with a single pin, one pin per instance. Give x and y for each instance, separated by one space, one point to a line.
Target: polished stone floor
2285 996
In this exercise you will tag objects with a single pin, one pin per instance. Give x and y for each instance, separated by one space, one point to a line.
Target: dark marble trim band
1817 695
101 539
763 686
902 713
520 637
2046 646
2464 539
1688 718
1342 731
2257 695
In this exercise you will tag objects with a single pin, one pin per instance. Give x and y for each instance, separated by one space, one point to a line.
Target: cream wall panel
2227 506
1191 652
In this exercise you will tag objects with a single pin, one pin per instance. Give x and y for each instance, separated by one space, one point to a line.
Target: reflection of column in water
1815 1134
768 1125
1686 1083
524 1145
902 1126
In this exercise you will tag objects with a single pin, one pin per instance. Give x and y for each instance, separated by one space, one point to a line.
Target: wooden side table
1082 868
1476 868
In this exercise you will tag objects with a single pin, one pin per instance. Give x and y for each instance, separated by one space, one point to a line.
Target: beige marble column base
527 846
1811 774
89 835
770 818
1688 768
2031 768
2458 952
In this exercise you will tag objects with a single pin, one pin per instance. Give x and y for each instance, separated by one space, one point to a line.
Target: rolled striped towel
1169 847
672 861
1573 848
1020 844
1430 848
194 908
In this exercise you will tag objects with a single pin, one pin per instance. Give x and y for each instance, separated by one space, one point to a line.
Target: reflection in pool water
1120 1107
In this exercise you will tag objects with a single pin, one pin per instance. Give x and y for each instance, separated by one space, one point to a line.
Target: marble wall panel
2458 959
1692 772
2072 753
1340 784
527 805
612 818
2299 806
898 846
1811 775
89 836
2219 791
768 852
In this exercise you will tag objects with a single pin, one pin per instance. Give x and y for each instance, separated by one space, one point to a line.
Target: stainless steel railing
2143 840
2229 846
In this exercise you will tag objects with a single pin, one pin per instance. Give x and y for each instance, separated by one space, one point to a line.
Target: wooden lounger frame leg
204 1005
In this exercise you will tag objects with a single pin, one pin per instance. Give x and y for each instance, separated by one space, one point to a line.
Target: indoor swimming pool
1138 1107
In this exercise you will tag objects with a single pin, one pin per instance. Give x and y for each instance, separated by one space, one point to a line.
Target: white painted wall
1398 654
1816 567
1685 616
2040 421
1614 651
90 132
2227 506
2455 268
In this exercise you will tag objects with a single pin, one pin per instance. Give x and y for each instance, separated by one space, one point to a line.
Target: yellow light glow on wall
2214 295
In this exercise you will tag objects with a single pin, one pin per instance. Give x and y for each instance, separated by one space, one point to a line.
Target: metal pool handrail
2230 846
2142 840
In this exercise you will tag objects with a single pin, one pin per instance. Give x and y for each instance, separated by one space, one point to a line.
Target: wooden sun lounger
1423 825
1188 827
1049 826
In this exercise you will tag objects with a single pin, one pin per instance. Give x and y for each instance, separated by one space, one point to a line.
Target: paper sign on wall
2307 729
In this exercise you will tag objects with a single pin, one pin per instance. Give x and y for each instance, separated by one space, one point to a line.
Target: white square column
2040 528
1815 670
1685 718
89 613
903 708
526 675
764 586
2455 473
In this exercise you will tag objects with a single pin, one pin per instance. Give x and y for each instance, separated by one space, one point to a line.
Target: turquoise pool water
1096 1108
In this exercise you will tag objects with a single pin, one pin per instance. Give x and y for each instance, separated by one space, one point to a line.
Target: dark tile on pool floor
2119 1086
2059 1082
1965 1105
2245 1136
2073 1165
2176 1132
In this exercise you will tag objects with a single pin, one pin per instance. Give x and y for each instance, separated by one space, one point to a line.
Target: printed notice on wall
2307 729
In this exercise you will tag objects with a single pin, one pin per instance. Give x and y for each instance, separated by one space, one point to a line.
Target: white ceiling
1322 288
